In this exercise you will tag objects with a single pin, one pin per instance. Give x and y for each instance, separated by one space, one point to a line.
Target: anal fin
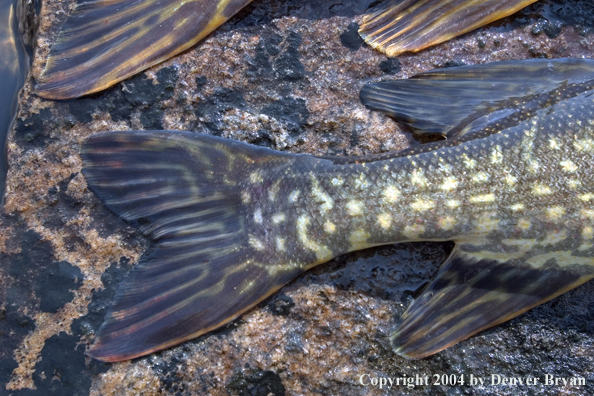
470 295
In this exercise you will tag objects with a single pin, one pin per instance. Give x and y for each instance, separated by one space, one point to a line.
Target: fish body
231 223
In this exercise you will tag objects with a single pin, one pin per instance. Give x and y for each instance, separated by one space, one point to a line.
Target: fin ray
103 42
397 26
454 101
470 295
201 272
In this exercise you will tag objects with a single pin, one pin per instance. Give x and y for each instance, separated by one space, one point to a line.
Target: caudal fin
184 191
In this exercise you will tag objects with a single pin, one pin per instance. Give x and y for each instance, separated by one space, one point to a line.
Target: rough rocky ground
284 74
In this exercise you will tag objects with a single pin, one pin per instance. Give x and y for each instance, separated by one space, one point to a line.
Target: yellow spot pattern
337 181
573 184
480 177
321 251
384 220
541 189
447 223
510 180
418 178
524 224
391 194
280 244
414 231
449 184
422 205
329 227
256 177
452 203
358 239
320 196
555 212
568 166
255 243
496 155
278 218
587 197
469 162
586 145
554 237
355 208
294 196
483 198
517 207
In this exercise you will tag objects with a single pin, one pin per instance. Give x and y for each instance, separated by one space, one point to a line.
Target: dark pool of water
13 69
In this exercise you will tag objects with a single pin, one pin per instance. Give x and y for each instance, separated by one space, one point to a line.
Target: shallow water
13 70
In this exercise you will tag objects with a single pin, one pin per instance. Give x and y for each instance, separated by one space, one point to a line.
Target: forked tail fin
184 191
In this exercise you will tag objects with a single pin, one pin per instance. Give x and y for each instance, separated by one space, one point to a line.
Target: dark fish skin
231 223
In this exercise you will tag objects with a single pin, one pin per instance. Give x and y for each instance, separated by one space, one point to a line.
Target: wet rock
390 66
54 286
262 383
350 38
279 75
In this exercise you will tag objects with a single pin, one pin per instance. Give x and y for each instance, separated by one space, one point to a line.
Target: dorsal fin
471 294
397 26
457 100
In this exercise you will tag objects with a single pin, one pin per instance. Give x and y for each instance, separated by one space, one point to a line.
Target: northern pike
106 41
231 223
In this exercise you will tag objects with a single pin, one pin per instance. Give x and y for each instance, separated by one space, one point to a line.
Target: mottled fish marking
221 245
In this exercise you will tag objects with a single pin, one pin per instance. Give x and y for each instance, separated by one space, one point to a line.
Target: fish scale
231 223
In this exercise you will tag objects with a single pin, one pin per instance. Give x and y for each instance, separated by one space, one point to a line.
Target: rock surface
284 74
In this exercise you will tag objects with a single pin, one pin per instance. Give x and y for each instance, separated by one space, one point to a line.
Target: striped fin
397 26
458 100
106 41
470 295
183 190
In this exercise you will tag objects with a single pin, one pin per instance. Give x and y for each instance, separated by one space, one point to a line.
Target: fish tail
186 192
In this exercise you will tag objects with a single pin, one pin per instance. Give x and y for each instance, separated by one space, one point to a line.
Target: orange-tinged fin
458 100
184 191
397 26
106 41
470 295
